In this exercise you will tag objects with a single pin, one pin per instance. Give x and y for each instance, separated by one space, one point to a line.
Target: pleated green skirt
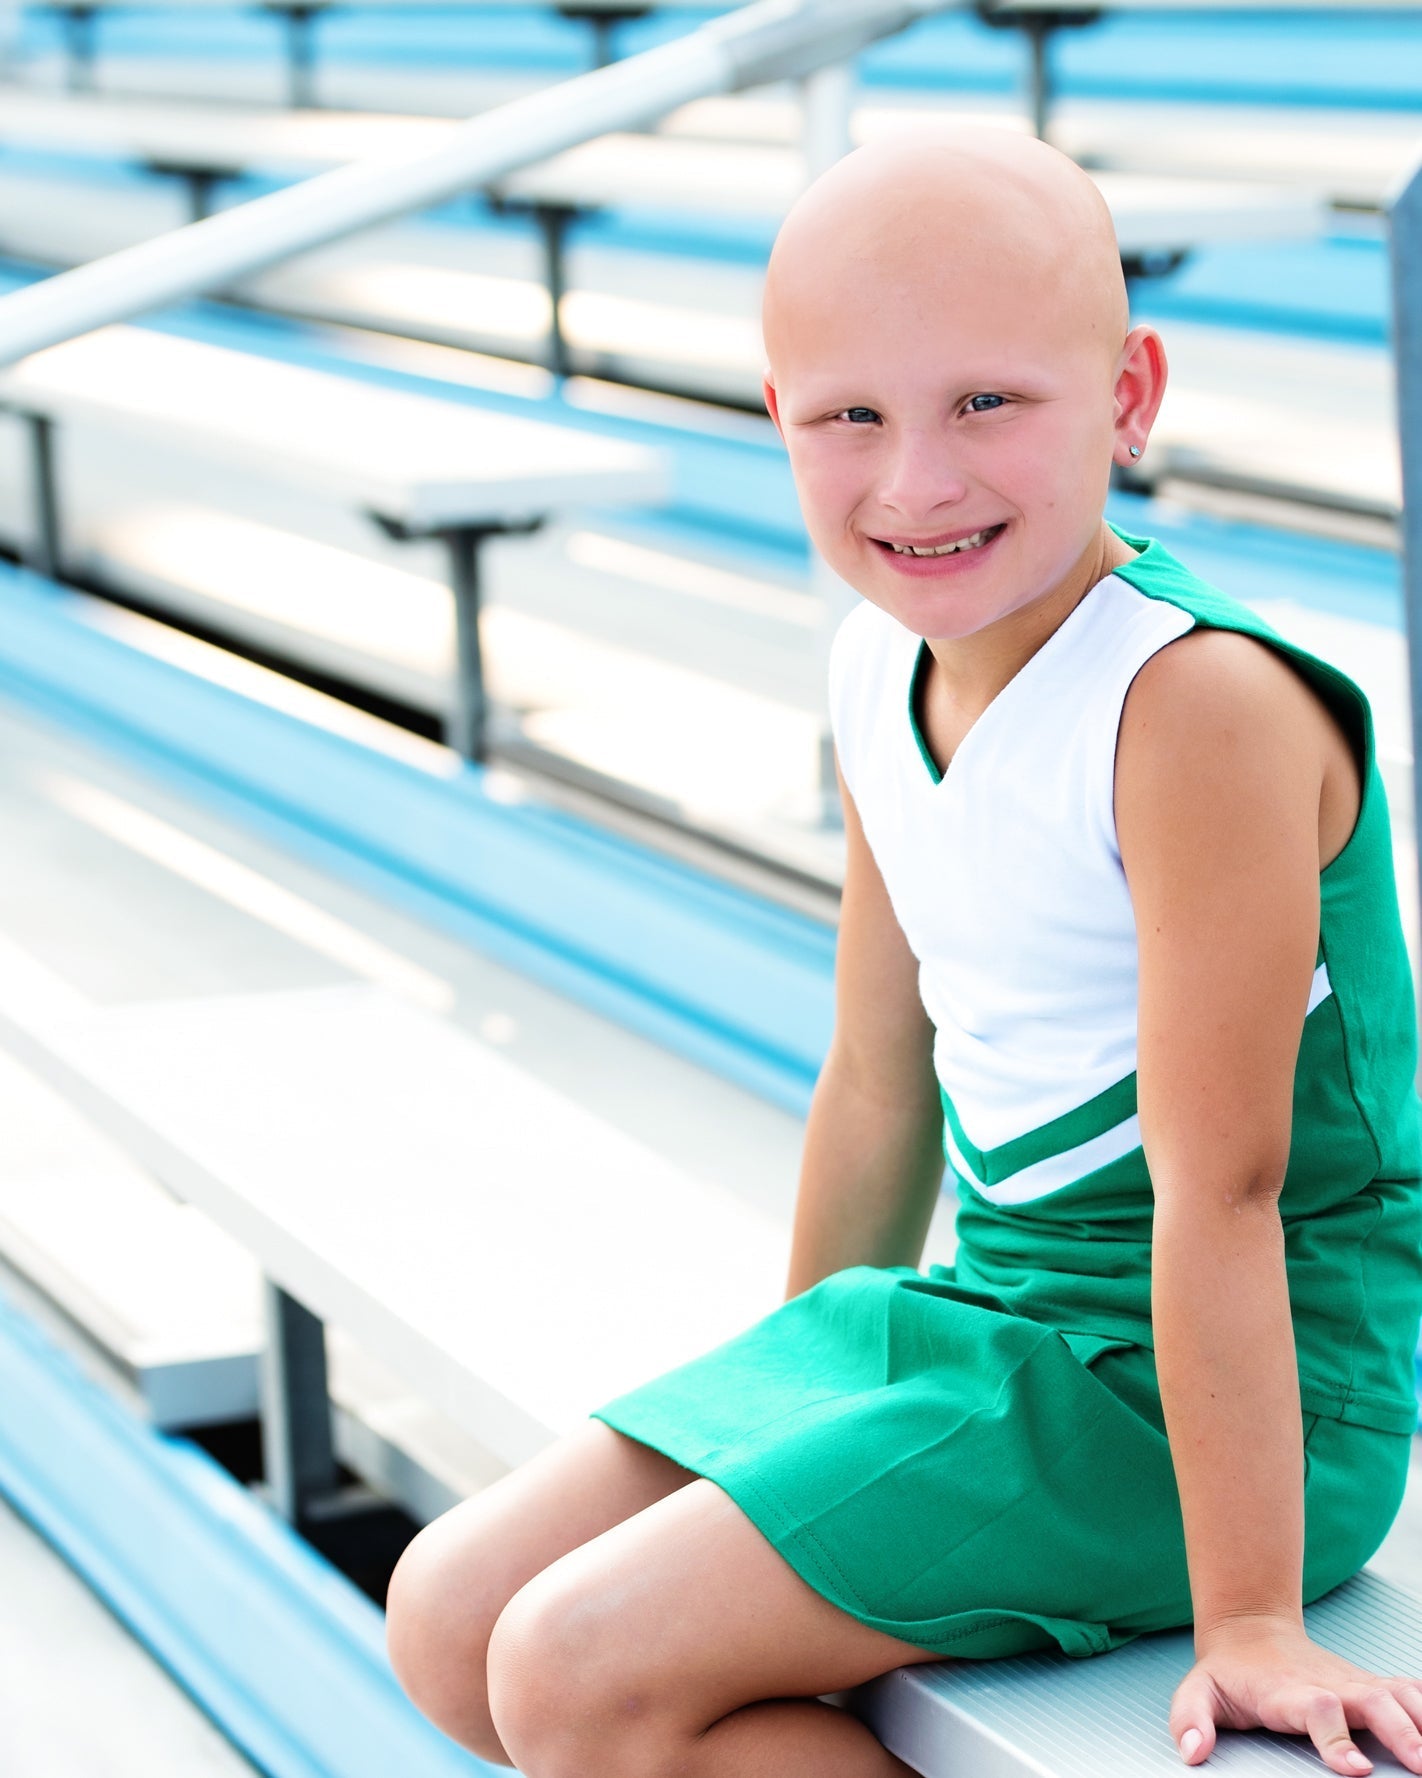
969 1480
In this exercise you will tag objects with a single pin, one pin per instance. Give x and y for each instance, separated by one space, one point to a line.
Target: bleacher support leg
1405 221
603 21
80 31
299 1456
299 21
199 182
1039 73
553 223
467 729
468 722
1039 28
45 554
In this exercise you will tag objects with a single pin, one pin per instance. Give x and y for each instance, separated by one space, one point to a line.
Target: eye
857 416
984 404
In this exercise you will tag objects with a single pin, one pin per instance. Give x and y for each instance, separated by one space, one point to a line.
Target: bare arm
1220 778
873 1158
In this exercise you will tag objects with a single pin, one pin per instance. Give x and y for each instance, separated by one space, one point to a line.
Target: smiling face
950 369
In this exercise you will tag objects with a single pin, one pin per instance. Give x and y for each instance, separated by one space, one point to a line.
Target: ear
1140 386
772 402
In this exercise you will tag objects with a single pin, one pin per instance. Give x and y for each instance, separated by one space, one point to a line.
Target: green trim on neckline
918 665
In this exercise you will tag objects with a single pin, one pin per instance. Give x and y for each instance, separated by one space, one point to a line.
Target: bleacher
492 479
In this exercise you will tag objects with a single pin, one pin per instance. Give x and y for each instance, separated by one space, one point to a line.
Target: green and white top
1006 877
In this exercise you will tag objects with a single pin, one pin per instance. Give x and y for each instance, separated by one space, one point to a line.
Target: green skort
969 1480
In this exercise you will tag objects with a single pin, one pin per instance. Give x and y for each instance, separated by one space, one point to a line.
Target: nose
921 474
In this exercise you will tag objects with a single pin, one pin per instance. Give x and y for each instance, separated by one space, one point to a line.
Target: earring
1135 450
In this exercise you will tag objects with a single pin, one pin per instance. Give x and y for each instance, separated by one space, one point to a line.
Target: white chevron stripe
1057 1170
1321 988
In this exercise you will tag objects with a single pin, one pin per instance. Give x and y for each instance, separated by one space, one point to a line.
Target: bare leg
679 1642
458 1574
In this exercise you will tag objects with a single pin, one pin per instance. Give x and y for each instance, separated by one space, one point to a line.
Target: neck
972 670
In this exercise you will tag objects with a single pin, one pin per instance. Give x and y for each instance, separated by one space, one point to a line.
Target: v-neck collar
1142 545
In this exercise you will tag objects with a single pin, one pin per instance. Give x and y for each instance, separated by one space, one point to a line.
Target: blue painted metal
1350 57
734 498
719 975
1405 224
1330 289
284 1654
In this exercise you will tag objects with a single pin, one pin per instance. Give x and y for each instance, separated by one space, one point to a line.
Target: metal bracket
1153 262
553 222
467 728
80 45
300 19
604 20
297 1451
354 1528
45 554
200 182
1039 27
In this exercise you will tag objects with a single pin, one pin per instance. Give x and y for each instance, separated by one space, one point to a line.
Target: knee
437 1627
569 1694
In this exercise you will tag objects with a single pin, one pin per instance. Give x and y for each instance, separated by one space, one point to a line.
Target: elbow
1240 1191
1258 1190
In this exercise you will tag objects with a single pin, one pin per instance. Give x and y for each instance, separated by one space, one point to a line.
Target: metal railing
766 41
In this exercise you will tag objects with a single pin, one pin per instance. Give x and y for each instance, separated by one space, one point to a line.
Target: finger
1409 1694
1392 1725
1192 1717
1327 1727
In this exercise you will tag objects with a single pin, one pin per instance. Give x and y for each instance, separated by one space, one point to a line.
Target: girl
1119 929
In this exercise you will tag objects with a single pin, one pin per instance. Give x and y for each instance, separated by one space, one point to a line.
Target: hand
1268 1674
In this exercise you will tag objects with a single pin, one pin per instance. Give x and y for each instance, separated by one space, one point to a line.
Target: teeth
976 541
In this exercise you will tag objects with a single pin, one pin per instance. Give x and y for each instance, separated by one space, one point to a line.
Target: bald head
959 221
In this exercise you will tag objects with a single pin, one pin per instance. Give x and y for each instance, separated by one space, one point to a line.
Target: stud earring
1135 450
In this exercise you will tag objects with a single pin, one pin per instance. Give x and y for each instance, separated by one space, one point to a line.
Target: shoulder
1210 691
1222 747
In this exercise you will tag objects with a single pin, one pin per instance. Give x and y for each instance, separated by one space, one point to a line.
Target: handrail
764 41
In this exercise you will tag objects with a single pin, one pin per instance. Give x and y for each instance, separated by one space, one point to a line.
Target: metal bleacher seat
419 468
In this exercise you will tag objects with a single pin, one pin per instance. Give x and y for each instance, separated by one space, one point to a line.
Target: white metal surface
225 137
406 1183
1152 211
1045 1716
425 462
769 39
1345 153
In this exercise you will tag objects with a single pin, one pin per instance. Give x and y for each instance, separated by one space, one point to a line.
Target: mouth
956 546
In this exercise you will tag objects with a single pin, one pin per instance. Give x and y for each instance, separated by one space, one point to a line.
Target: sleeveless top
1006 877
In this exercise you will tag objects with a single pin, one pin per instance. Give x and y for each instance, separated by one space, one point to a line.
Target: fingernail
1359 1761
1190 1743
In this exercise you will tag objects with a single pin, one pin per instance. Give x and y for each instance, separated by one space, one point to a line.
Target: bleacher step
166 1310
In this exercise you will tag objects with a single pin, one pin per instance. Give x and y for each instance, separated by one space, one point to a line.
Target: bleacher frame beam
1405 228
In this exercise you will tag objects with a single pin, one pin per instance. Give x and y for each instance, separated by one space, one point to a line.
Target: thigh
457 1575
670 1621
